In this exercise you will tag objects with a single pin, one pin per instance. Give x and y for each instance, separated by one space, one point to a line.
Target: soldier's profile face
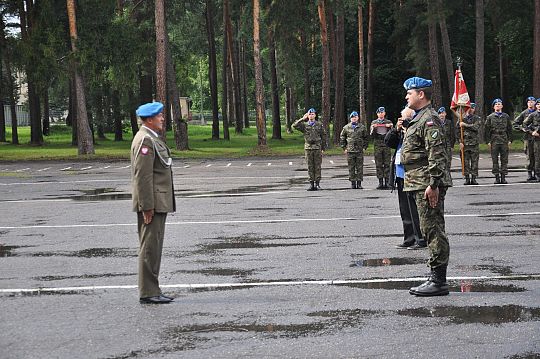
413 99
538 106
156 122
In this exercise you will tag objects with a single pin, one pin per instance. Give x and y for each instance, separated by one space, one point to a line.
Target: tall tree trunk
446 48
212 68
243 76
370 52
224 91
2 120
361 67
321 7
340 118
161 63
288 110
46 113
145 83
434 58
100 119
479 64
73 109
2 85
117 116
276 121
536 49
12 103
259 86
84 136
234 83
307 65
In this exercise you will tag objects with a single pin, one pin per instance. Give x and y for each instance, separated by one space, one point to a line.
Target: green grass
57 146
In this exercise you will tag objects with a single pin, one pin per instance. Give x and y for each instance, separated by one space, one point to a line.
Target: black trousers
409 216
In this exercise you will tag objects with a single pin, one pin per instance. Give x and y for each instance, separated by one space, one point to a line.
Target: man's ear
421 94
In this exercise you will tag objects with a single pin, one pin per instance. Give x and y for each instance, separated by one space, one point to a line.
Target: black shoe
381 185
497 179
158 299
359 185
467 181
385 183
435 285
531 178
473 181
317 185
166 296
312 186
353 185
503 179
417 246
403 246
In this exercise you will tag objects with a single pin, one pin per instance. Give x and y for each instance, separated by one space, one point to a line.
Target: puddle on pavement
528 232
499 269
482 315
84 276
393 261
10 251
461 286
245 242
90 253
493 203
227 272
279 210
96 191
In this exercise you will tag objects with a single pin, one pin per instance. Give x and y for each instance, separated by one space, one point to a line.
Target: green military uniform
382 153
528 140
471 152
152 189
532 124
498 132
314 144
424 156
354 138
450 136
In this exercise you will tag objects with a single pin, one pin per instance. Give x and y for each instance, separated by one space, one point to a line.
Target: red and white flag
461 96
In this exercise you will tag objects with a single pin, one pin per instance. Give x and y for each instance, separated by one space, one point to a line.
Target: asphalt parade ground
262 268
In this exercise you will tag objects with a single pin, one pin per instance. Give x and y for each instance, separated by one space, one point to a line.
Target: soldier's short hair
428 92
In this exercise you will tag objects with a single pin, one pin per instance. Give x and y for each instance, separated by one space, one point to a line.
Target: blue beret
381 109
531 98
495 101
311 110
473 105
441 109
353 114
416 83
538 100
149 109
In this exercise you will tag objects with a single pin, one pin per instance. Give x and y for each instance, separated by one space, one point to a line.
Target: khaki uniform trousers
150 248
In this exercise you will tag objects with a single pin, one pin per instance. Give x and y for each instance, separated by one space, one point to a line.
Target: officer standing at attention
470 145
379 128
498 133
532 126
424 156
315 142
449 134
528 140
153 198
354 140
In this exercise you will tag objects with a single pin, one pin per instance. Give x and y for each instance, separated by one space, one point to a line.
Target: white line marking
261 284
22 170
229 164
290 163
249 164
44 169
106 167
332 162
128 166
208 165
65 169
263 221
269 164
63 182
186 166
85 168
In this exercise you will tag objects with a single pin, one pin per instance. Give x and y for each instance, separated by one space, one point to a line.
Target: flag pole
462 147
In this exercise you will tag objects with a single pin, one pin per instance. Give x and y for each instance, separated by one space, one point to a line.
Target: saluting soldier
153 198
354 140
424 156
532 126
449 133
528 140
314 145
498 133
470 145
378 130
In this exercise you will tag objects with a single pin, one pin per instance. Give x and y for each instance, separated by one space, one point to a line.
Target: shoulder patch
429 123
144 150
434 134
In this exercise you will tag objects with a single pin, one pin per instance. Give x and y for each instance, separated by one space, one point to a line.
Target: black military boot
503 179
435 285
497 179
385 185
473 180
530 178
359 185
467 180
317 185
353 185
380 186
312 186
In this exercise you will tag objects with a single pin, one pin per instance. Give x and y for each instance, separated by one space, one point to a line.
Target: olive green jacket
471 128
354 139
532 123
498 129
518 123
314 136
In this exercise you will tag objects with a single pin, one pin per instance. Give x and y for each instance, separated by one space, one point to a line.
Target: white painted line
290 163
262 284
128 166
229 164
263 221
208 165
22 170
249 164
37 200
269 164
63 182
44 169
186 166
332 162
65 169
106 167
86 168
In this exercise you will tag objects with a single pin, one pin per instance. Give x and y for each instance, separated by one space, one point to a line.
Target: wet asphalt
262 268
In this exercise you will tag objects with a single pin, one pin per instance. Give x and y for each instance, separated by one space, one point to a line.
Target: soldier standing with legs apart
528 140
314 146
498 133
424 156
532 126
379 128
470 145
153 198
354 140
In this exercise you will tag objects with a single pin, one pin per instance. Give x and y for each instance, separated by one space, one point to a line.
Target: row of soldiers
498 127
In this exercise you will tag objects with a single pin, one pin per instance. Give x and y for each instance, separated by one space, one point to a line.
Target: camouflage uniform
498 132
471 152
450 135
315 142
383 155
424 156
355 140
531 124
528 140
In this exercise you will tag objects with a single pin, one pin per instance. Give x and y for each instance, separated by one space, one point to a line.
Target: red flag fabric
461 96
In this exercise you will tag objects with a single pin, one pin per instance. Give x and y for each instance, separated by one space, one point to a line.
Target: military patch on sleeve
429 123
144 150
434 134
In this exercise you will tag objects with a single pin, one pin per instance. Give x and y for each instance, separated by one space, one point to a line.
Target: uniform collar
151 131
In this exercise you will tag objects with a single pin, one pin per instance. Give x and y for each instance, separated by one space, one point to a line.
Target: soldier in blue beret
153 198
498 136
354 140
528 140
470 145
383 156
424 157
532 126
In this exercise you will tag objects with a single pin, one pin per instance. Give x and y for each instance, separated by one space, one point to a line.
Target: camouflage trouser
383 159
471 155
314 162
499 150
355 162
536 147
531 156
432 227
449 151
